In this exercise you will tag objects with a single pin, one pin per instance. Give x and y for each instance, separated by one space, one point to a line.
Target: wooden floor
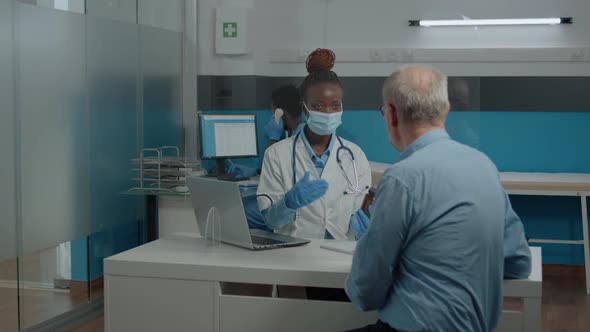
96 325
37 306
39 301
566 307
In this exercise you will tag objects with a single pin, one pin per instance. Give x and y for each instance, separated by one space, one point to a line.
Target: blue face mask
324 123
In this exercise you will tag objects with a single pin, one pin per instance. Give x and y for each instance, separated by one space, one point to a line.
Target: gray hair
419 94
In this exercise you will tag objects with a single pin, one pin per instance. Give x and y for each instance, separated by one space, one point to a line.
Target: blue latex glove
243 171
305 192
359 223
274 131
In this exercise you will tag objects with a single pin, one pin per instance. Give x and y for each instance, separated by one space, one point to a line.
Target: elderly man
443 233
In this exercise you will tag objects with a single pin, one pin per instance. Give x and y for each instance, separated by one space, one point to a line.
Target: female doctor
312 184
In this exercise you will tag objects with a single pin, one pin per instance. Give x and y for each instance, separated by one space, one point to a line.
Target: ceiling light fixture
507 21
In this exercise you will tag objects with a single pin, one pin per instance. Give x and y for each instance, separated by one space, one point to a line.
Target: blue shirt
318 162
443 236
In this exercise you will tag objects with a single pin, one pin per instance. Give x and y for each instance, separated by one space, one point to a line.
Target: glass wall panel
45 286
74 6
54 127
161 14
120 10
8 249
112 69
113 58
161 64
463 122
7 114
80 95
8 296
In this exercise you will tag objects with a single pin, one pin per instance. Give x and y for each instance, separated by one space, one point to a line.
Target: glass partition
120 10
54 127
161 75
53 146
9 318
83 88
159 14
74 6
8 243
7 135
46 289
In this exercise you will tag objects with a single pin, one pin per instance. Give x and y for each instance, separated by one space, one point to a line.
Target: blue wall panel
515 141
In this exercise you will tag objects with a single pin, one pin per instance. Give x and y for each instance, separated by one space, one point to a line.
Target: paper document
346 247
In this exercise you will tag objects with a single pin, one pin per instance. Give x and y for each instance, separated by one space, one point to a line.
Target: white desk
555 184
540 184
173 284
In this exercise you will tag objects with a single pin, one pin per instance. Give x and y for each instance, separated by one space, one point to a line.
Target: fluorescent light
508 21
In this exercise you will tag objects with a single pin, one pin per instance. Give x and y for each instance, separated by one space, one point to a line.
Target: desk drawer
246 313
155 305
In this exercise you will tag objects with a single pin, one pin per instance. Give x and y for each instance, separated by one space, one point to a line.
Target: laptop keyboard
232 177
263 241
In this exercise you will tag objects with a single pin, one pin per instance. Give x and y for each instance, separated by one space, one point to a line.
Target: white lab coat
332 212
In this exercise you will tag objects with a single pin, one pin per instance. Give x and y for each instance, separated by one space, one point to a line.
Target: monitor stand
219 168
220 172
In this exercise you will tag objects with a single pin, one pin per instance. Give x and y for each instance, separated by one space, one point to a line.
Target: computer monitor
227 136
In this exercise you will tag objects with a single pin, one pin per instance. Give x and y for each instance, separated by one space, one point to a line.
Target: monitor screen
228 135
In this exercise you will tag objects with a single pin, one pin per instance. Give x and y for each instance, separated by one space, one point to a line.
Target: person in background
287 99
459 94
443 234
286 102
312 185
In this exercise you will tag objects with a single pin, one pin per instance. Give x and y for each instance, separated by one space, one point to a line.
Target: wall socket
376 55
578 55
393 56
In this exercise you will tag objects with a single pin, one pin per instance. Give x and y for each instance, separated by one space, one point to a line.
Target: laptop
226 198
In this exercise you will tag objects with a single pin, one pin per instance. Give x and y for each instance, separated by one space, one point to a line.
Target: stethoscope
353 187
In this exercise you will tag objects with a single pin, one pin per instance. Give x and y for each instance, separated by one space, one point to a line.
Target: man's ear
393 116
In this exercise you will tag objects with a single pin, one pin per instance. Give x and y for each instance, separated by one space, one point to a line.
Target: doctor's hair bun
319 66
322 59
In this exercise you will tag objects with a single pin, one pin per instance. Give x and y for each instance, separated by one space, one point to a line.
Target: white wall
307 24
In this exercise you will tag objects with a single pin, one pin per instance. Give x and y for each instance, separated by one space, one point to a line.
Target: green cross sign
230 29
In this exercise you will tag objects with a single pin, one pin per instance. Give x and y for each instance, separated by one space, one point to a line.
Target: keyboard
263 241
231 177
